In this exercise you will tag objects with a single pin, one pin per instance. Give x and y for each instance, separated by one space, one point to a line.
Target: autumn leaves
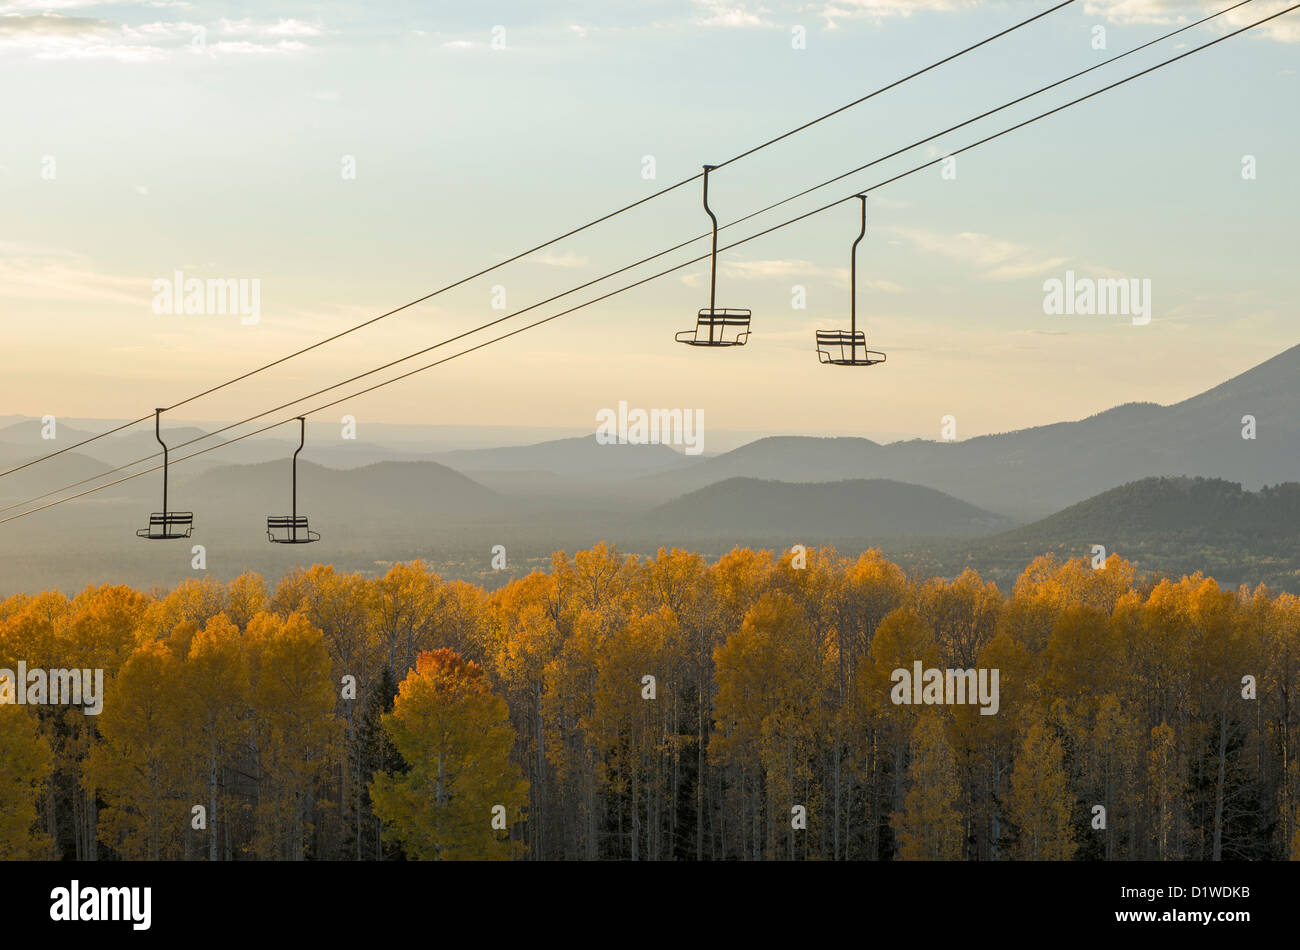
455 737
665 708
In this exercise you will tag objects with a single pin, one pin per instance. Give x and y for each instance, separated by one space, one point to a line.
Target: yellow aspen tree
1165 793
246 597
962 613
214 687
930 826
521 641
404 607
770 678
454 735
295 729
1040 804
25 766
136 765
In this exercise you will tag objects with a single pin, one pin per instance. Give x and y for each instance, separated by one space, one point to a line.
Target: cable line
777 227
546 244
644 260
639 263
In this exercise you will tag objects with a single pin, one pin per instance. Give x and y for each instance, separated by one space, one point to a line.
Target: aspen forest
618 707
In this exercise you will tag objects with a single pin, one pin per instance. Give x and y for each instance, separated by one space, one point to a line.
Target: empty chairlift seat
846 348
849 347
292 528
166 525
289 529
718 328
714 326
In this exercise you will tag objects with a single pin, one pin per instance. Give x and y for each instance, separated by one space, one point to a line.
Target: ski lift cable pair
638 283
851 339
555 240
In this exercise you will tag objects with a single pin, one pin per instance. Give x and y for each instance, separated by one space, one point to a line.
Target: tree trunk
1219 786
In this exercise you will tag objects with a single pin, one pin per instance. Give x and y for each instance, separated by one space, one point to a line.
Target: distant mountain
581 458
1032 472
67 469
27 433
1171 525
860 508
386 495
1115 478
1191 509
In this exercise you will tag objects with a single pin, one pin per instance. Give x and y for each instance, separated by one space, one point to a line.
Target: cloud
44 6
247 27
771 269
51 24
729 13
998 259
880 9
239 47
568 259
785 270
1283 29
1136 11
54 36
29 274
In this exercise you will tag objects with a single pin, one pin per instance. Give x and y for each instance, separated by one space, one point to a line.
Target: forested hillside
666 708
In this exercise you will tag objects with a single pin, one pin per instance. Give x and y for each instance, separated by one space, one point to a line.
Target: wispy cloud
280 28
787 269
997 259
33 274
730 13
1284 29
837 10
49 35
54 36
567 259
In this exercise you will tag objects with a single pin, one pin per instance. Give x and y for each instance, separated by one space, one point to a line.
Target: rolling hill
1171 525
858 508
581 458
1033 472
381 496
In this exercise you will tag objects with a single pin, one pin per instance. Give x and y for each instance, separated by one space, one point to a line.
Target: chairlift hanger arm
157 434
853 269
713 255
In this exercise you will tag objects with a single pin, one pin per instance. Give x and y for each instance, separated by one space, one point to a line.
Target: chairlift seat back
846 348
718 328
289 529
167 525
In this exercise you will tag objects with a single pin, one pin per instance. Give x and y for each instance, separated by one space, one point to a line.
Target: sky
349 158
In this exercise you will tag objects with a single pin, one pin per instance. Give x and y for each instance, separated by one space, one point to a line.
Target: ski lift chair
292 528
849 347
166 525
714 327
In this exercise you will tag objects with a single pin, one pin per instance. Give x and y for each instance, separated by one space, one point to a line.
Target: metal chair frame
294 523
166 525
713 320
853 338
